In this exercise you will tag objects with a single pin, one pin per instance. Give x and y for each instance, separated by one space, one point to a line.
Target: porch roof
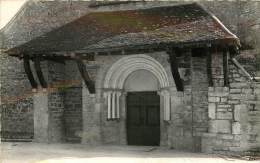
104 31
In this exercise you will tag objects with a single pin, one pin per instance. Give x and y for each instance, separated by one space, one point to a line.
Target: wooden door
143 118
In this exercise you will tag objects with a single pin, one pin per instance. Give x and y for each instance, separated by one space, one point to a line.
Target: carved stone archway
118 73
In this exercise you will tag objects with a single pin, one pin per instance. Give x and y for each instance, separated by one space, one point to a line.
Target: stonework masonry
233 126
188 121
214 119
16 100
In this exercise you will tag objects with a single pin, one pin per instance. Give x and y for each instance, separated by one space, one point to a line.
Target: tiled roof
111 29
196 31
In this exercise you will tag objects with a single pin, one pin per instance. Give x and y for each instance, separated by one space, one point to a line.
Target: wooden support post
209 71
37 65
175 72
84 74
28 71
225 67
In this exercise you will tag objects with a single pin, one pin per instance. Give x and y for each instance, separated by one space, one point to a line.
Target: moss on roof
97 30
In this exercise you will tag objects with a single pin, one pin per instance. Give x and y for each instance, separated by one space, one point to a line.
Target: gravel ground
77 153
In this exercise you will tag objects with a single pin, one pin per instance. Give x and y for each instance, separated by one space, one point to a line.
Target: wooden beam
55 59
225 67
209 69
37 65
28 71
175 72
233 51
84 74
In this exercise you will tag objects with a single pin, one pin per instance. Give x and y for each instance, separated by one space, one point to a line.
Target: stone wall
16 100
233 112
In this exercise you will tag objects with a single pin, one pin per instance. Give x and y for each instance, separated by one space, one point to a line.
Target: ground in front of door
77 153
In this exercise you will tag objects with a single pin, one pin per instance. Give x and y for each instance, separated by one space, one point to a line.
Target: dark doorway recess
143 118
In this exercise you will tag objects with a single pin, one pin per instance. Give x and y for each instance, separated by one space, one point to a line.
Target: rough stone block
220 126
238 85
239 109
212 111
211 89
209 135
224 106
218 94
224 115
236 128
222 109
233 101
235 90
223 99
249 97
237 137
236 96
247 90
226 136
257 91
214 99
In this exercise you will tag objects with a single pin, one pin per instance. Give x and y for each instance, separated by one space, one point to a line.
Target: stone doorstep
236 153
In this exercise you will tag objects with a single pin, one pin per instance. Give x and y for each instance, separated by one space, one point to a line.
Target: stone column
91 112
49 106
122 120
48 126
176 135
41 117
113 104
164 116
171 102
166 104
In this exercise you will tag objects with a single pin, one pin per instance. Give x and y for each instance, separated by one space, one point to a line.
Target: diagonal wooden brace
84 74
175 72
37 65
28 71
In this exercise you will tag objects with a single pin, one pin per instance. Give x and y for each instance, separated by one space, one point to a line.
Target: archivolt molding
118 73
120 70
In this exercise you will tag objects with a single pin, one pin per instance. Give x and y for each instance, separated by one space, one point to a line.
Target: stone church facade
130 73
